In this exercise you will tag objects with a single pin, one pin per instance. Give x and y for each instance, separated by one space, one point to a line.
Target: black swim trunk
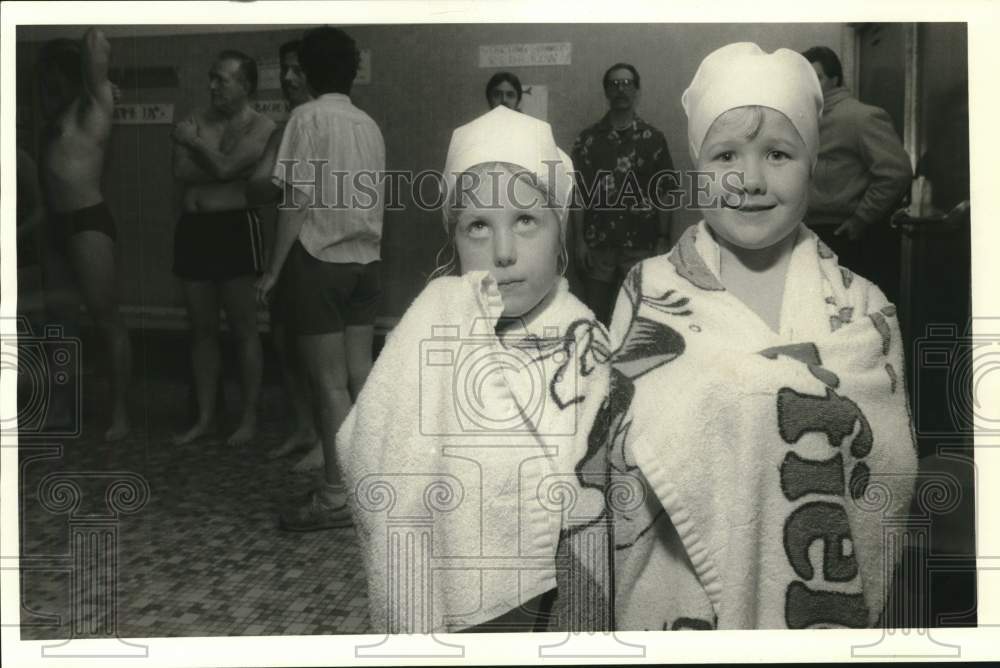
316 297
96 218
218 246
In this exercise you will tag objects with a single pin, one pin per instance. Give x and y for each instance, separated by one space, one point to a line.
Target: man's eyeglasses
621 83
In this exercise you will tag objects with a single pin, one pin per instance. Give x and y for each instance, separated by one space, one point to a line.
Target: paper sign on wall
143 114
535 101
276 110
364 68
525 55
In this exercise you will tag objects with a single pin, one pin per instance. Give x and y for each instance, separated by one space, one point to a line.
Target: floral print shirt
615 170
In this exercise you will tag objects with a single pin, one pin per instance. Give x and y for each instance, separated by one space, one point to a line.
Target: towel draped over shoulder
771 460
469 469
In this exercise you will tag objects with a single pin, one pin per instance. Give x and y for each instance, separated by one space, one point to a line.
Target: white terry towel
468 447
771 459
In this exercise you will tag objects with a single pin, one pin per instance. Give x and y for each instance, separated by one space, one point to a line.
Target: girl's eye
477 229
527 220
725 156
779 155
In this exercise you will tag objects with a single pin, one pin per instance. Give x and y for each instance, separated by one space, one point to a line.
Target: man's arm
888 165
664 163
246 153
260 188
186 169
290 220
96 59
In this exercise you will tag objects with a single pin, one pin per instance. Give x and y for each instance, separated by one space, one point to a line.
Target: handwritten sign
525 55
143 114
276 110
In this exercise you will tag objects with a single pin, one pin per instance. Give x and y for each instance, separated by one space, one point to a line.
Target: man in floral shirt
623 172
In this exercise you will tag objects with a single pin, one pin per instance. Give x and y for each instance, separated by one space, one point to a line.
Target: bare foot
312 461
197 431
293 441
242 436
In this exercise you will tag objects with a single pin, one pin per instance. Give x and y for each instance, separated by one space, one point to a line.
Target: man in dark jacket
862 174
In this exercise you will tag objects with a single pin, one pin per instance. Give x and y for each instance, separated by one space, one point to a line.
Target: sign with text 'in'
149 113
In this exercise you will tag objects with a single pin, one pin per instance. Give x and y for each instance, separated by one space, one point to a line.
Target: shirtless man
77 103
217 245
262 192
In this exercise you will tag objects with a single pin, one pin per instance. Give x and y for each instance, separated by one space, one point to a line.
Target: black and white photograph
363 332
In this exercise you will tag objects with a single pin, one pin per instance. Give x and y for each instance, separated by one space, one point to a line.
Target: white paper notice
143 114
364 68
525 55
535 101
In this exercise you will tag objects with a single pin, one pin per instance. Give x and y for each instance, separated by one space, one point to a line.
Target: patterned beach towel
770 460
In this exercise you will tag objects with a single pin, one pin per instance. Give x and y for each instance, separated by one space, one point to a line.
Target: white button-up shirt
334 154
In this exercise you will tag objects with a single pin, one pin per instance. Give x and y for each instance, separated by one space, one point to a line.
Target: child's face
504 228
764 197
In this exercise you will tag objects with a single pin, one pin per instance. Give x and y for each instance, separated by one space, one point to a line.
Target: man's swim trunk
95 218
218 246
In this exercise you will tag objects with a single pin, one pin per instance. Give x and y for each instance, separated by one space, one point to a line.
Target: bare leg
358 342
297 390
93 257
203 309
239 297
324 357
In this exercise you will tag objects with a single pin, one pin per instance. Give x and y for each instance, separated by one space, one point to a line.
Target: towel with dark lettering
773 463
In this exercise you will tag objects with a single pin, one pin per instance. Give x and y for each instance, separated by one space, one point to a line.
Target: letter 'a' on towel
471 478
775 462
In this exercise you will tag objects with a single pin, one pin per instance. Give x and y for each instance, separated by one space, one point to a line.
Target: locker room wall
425 81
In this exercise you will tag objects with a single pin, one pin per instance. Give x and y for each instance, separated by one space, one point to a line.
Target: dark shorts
218 246
316 297
96 218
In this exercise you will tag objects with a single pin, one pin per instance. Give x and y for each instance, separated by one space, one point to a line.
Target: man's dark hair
329 59
64 57
621 66
827 60
498 79
289 47
248 68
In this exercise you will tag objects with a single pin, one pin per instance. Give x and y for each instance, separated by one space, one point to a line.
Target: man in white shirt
327 249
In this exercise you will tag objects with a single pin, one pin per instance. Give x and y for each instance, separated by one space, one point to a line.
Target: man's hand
186 132
264 286
95 42
853 227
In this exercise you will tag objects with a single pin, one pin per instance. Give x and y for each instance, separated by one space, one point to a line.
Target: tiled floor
203 556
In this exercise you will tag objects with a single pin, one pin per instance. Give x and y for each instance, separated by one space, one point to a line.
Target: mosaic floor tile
204 555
